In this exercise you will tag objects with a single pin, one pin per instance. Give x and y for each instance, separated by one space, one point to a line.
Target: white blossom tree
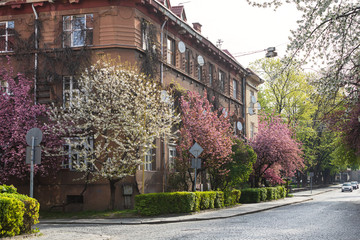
121 112
327 35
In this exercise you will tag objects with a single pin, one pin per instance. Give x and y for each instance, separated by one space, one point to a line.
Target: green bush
219 200
271 193
232 198
251 195
31 215
263 194
163 203
281 192
11 216
205 200
8 189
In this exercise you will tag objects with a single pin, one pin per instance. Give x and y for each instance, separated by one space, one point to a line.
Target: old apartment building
51 41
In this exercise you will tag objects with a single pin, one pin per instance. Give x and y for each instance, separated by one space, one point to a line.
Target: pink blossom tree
18 114
279 155
211 130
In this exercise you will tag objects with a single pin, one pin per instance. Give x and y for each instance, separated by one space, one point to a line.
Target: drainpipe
162 52
36 53
244 99
162 81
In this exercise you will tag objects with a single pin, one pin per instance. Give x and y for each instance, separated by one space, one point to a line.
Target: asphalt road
332 215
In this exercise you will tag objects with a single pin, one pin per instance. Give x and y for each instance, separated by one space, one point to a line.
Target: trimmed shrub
7 189
32 207
163 203
281 192
271 193
219 200
205 200
11 216
263 194
251 195
232 198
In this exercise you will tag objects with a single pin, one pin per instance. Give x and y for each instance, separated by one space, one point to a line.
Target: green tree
241 166
287 91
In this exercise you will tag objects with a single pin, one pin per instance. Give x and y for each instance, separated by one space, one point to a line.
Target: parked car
355 184
347 187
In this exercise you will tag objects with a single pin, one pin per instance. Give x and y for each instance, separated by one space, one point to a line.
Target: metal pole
32 167
36 54
311 184
195 181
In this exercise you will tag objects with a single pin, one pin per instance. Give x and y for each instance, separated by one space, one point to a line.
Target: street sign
196 163
37 157
311 174
196 150
36 133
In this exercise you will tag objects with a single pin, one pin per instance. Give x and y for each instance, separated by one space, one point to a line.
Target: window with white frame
76 152
221 80
172 155
199 72
4 87
235 89
145 35
70 91
252 129
148 160
78 30
6 36
170 51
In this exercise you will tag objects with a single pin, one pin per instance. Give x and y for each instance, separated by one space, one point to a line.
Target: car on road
347 187
355 184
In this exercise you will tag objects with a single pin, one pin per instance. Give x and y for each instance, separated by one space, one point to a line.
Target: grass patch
128 213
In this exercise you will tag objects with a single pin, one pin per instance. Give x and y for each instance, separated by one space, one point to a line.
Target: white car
347 187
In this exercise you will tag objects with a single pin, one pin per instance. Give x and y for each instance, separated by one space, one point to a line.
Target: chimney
197 26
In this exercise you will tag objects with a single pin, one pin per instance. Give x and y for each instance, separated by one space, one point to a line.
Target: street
332 215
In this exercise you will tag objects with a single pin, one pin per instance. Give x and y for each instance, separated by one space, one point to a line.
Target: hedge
256 195
162 203
232 198
183 202
32 207
11 216
13 224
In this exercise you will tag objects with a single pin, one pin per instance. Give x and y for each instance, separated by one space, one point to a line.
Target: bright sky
242 28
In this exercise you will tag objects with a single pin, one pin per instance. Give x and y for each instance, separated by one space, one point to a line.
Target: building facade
53 41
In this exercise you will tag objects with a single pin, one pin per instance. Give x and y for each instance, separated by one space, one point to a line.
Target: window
211 74
221 80
77 150
172 155
4 87
235 89
70 91
148 160
252 129
187 61
170 51
199 72
145 35
6 36
78 30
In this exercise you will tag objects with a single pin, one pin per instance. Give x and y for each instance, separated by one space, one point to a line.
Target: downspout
161 82
162 52
36 53
243 100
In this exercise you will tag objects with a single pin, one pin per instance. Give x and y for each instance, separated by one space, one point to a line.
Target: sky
242 28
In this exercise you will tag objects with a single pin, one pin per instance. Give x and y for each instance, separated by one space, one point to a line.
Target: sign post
33 138
311 177
196 150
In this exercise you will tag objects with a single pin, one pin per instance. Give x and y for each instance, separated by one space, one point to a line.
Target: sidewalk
243 209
